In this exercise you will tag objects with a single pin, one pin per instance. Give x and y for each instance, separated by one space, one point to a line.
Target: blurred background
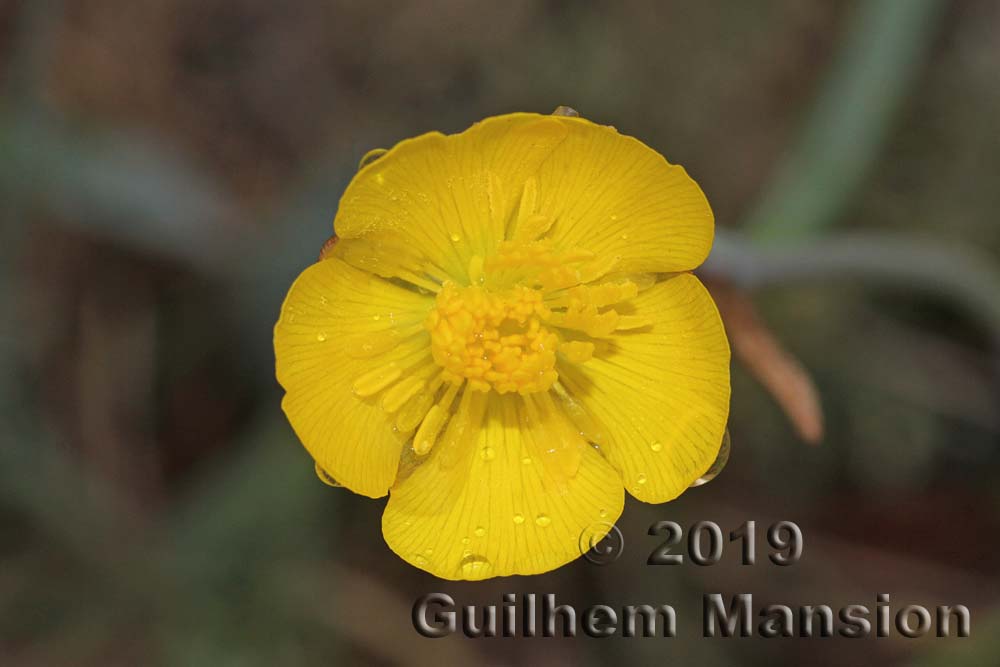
167 169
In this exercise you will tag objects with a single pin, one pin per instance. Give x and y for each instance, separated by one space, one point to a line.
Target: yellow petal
613 195
433 202
502 508
661 393
326 368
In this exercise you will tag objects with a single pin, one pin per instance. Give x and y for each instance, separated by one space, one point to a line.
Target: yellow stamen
411 414
402 392
628 322
597 295
429 429
493 340
586 318
376 380
583 420
463 427
529 224
435 419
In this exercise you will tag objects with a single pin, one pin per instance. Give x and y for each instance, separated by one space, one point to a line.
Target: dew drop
641 479
475 567
455 238
323 300
526 460
542 520
479 531
719 464
603 513
488 453
321 337
465 540
376 317
428 551
656 446
326 478
519 519
370 157
419 560
563 110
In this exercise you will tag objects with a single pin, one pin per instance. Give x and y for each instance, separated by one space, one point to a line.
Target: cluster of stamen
493 340
501 328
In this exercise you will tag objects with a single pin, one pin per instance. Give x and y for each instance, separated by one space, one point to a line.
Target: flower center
494 340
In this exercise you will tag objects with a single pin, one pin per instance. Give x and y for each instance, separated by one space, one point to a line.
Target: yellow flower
506 337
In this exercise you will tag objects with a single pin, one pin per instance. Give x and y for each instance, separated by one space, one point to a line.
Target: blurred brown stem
756 346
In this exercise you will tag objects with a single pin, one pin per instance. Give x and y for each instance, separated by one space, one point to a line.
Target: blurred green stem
951 271
875 65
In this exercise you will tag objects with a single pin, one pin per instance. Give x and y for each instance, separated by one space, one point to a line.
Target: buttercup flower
506 337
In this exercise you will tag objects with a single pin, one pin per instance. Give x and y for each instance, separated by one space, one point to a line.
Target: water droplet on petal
326 478
488 453
519 519
475 567
720 462
370 157
479 531
603 513
321 336
563 110
455 238
526 460
542 520
419 560
465 540
656 446
641 479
